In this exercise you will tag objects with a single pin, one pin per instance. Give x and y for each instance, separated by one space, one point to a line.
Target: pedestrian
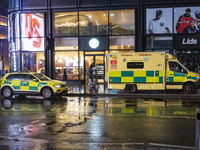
90 77
64 75
183 21
89 25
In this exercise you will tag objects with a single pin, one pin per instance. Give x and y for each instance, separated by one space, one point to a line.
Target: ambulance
148 71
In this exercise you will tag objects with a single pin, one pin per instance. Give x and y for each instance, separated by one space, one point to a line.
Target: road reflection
114 105
100 120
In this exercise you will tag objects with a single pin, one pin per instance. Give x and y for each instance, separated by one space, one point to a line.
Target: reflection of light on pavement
95 127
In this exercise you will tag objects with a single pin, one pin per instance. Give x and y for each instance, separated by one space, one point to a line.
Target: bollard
197 145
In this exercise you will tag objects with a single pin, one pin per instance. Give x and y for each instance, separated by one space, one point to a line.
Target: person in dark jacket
90 75
64 75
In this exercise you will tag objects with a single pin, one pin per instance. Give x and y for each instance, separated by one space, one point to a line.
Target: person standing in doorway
90 76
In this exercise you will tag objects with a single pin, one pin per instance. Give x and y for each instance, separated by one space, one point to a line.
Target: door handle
170 74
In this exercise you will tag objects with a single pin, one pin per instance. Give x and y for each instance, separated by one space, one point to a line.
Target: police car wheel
7 92
132 88
47 93
189 88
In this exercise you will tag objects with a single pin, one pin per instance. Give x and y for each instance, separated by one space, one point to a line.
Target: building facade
4 54
57 36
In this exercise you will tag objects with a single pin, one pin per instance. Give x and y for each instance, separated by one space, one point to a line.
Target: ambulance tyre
7 92
131 88
47 93
189 88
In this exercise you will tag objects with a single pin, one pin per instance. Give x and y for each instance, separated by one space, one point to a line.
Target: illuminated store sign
186 41
94 43
32 32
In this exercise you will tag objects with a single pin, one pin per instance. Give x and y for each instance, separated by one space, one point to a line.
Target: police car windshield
42 77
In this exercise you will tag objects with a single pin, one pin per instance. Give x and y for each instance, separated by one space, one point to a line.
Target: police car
31 84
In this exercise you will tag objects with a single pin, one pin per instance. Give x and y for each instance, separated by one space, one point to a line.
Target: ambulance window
10 77
17 77
135 65
174 66
30 77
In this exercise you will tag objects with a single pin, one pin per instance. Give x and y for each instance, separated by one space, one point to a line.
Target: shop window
66 65
33 62
121 22
122 42
69 43
93 23
66 24
159 42
167 51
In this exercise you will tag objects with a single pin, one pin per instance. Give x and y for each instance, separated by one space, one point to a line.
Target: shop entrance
98 60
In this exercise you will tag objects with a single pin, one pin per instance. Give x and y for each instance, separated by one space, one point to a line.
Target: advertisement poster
186 20
159 21
32 32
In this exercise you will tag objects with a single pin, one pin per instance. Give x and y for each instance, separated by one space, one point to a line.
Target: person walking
90 76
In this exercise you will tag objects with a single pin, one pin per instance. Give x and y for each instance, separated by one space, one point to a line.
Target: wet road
97 123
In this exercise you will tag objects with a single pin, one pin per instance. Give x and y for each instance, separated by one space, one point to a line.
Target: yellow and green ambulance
31 84
148 71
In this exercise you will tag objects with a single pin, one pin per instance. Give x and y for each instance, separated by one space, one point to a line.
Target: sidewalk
81 90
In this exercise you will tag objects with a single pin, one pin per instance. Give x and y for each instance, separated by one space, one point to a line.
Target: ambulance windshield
42 77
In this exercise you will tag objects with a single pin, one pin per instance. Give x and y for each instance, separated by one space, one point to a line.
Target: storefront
176 31
63 38
80 39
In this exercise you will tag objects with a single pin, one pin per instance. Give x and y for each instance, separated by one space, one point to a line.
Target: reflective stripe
135 76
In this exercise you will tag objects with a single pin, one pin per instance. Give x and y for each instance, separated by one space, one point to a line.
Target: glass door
98 61
99 64
88 61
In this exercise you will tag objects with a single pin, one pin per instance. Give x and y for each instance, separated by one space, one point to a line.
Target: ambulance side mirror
35 80
183 71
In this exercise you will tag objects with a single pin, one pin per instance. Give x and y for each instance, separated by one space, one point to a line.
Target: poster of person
159 21
187 19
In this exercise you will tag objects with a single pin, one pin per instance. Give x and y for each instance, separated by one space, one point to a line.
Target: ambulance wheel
7 92
47 93
189 88
131 88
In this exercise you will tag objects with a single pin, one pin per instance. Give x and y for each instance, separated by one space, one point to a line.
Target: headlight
57 86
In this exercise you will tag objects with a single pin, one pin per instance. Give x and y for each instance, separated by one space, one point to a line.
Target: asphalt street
97 123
